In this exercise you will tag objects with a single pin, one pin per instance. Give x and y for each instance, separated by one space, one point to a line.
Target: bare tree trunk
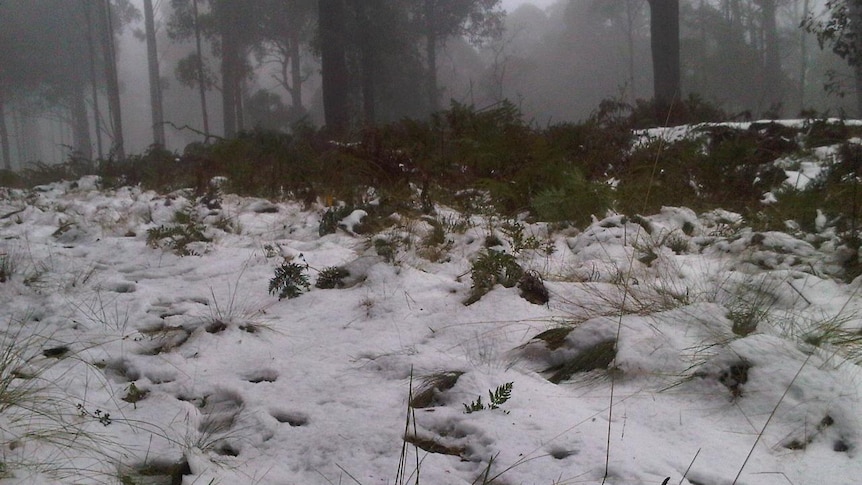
4 136
155 81
854 11
201 78
97 121
803 57
113 82
431 56
630 38
664 33
367 61
295 71
80 121
333 64
774 85
228 90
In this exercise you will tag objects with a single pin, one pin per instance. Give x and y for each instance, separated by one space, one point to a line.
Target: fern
491 268
497 398
500 396
186 229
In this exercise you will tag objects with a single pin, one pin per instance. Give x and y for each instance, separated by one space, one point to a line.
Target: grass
40 427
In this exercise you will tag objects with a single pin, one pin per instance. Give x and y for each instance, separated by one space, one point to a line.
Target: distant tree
842 32
233 29
664 34
439 20
44 63
105 16
287 27
155 78
332 24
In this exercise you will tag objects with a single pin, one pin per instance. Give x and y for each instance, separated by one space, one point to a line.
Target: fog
556 60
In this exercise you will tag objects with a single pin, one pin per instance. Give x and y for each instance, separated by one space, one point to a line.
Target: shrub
492 268
186 229
331 277
290 281
574 199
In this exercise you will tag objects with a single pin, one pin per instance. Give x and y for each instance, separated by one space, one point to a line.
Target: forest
430 242
104 78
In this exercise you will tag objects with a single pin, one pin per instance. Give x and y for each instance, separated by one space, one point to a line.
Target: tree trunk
295 71
803 58
664 33
854 11
229 72
155 80
94 85
80 122
367 61
333 64
202 85
109 51
431 55
774 85
4 136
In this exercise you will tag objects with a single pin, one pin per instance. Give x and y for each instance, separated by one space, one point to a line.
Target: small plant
98 415
331 277
496 399
290 281
270 251
186 229
386 248
330 219
520 241
134 394
490 268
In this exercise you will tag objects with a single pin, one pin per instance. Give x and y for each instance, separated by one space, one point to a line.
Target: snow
252 389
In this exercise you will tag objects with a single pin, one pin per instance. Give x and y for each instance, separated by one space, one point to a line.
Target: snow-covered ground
676 345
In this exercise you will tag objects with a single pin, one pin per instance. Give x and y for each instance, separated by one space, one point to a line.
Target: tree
773 77
842 31
664 35
47 67
287 27
233 29
332 24
155 78
109 53
439 20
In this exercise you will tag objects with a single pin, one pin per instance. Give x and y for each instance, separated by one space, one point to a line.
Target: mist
556 61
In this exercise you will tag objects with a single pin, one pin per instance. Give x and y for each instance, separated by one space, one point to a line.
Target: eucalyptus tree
840 28
664 35
439 20
232 28
45 63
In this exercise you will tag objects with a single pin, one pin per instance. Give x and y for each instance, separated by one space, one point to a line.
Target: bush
492 268
290 281
575 199
186 229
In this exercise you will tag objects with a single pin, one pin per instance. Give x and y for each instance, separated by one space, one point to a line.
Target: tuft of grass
40 428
